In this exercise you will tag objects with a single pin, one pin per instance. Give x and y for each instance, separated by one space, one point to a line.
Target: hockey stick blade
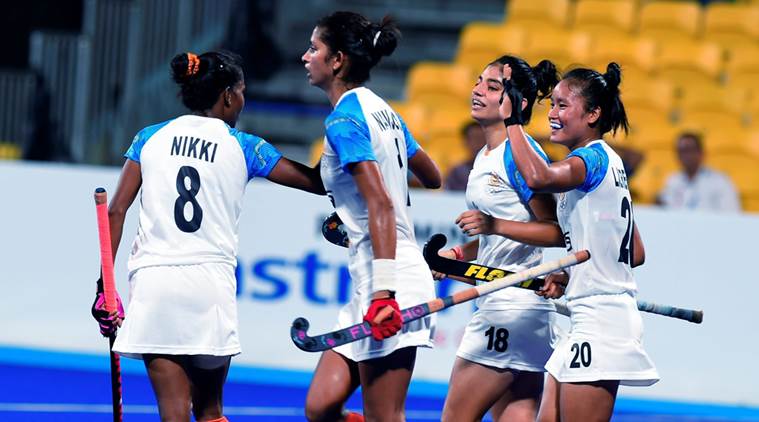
299 329
479 272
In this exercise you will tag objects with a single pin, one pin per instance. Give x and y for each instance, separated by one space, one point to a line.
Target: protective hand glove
513 96
108 322
383 328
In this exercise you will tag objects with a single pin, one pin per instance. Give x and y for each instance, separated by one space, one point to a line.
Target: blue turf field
30 393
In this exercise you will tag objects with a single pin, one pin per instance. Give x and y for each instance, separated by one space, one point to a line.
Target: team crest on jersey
495 183
562 200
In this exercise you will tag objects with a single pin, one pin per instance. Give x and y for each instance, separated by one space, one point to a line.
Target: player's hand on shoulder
384 316
108 322
554 285
475 222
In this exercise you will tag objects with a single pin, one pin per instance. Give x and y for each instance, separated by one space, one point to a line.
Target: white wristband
383 275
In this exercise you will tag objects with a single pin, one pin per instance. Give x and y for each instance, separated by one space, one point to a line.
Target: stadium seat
604 18
727 140
636 55
712 108
741 168
415 117
729 24
9 151
315 152
539 128
481 43
670 21
447 151
447 121
652 94
689 63
650 177
742 68
563 47
750 203
538 12
431 83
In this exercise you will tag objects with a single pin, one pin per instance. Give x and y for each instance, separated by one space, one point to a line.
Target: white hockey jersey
194 173
598 216
363 127
497 188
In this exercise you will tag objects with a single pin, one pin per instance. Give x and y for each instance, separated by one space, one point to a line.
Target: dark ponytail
364 42
602 91
535 83
203 78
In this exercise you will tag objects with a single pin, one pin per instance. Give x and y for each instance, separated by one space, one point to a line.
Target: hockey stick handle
299 329
671 311
106 254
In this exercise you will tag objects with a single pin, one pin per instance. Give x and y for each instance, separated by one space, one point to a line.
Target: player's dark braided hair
533 82
601 91
364 42
202 78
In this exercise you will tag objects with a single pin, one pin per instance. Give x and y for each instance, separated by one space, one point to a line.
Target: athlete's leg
207 376
520 403
549 403
587 401
335 379
465 403
171 386
384 384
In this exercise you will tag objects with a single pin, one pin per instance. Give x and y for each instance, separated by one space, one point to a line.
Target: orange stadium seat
432 83
729 24
689 63
563 47
752 112
636 55
750 203
604 18
669 21
481 43
315 152
540 12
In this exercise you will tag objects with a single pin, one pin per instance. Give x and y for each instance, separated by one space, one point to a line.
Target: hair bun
613 76
385 37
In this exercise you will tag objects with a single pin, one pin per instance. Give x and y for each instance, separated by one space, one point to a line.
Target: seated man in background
458 176
697 186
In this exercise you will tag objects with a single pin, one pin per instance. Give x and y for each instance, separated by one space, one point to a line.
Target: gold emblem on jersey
495 183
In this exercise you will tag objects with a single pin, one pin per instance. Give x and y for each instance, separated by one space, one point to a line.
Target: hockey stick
465 270
109 290
334 231
299 329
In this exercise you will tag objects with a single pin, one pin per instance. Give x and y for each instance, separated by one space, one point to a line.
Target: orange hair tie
193 64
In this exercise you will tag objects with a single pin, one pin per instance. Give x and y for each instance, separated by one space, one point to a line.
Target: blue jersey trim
135 150
596 163
512 172
260 156
411 145
348 133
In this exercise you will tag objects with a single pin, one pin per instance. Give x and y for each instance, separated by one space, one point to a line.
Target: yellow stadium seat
741 168
315 153
689 63
563 47
482 43
415 117
750 203
652 173
712 107
447 152
655 94
605 17
539 128
752 111
668 21
9 151
645 134
729 24
447 121
554 151
531 12
742 68
636 55
727 140
431 83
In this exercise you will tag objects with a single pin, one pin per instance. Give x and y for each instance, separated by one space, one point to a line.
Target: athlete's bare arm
129 184
296 175
425 170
